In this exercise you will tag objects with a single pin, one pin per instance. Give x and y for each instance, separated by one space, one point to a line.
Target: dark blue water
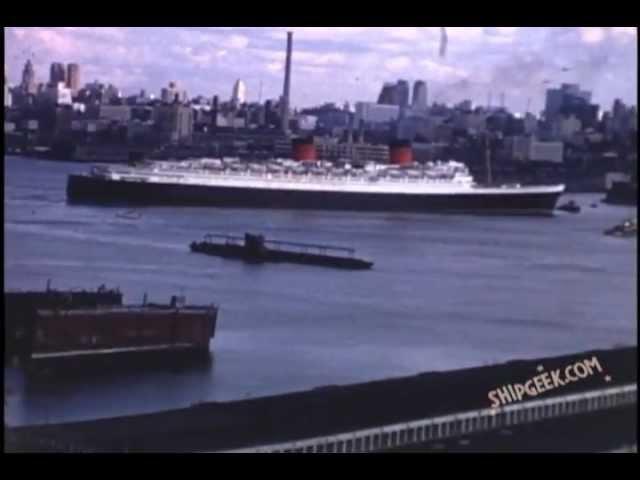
445 292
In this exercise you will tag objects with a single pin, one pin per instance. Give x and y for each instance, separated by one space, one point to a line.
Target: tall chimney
287 85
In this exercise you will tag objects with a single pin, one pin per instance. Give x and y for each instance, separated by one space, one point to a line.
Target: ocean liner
283 183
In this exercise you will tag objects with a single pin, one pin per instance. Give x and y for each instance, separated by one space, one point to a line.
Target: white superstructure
431 178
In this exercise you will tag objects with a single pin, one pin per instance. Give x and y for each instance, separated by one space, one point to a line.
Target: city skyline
341 64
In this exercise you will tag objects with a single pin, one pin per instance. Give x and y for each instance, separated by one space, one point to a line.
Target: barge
51 330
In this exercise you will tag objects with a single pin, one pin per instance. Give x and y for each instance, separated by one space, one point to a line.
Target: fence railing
456 424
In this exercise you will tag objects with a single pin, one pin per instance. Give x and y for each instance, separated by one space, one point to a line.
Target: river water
446 292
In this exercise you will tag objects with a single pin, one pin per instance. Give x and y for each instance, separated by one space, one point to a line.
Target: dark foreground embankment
322 411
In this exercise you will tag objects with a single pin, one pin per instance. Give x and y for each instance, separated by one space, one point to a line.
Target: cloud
441 71
624 34
465 33
274 67
507 30
237 41
392 46
313 69
316 33
311 58
397 64
592 34
405 33
55 42
633 31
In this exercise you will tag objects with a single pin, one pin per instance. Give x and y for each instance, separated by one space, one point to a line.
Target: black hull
279 256
85 189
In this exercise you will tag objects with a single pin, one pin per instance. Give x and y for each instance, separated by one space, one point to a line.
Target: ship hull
269 255
87 189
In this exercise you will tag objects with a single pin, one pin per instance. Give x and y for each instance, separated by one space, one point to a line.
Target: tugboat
256 249
570 206
627 229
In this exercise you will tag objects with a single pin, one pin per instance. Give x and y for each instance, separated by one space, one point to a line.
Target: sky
338 64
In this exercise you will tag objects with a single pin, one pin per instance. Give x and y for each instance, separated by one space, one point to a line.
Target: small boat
255 249
129 215
628 228
570 206
594 205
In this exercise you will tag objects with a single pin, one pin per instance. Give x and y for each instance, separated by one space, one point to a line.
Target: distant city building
239 94
419 99
73 77
329 116
57 73
622 120
92 93
28 84
402 89
395 94
530 124
370 112
387 94
532 150
97 93
58 94
564 128
170 94
7 92
567 96
111 93
307 122
174 122
467 119
116 113
465 106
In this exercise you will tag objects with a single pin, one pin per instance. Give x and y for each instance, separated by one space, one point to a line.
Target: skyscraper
57 73
419 99
568 95
395 94
28 84
73 77
239 94
168 95
387 94
402 92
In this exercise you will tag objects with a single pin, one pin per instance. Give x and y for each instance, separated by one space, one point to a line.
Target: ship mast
488 158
